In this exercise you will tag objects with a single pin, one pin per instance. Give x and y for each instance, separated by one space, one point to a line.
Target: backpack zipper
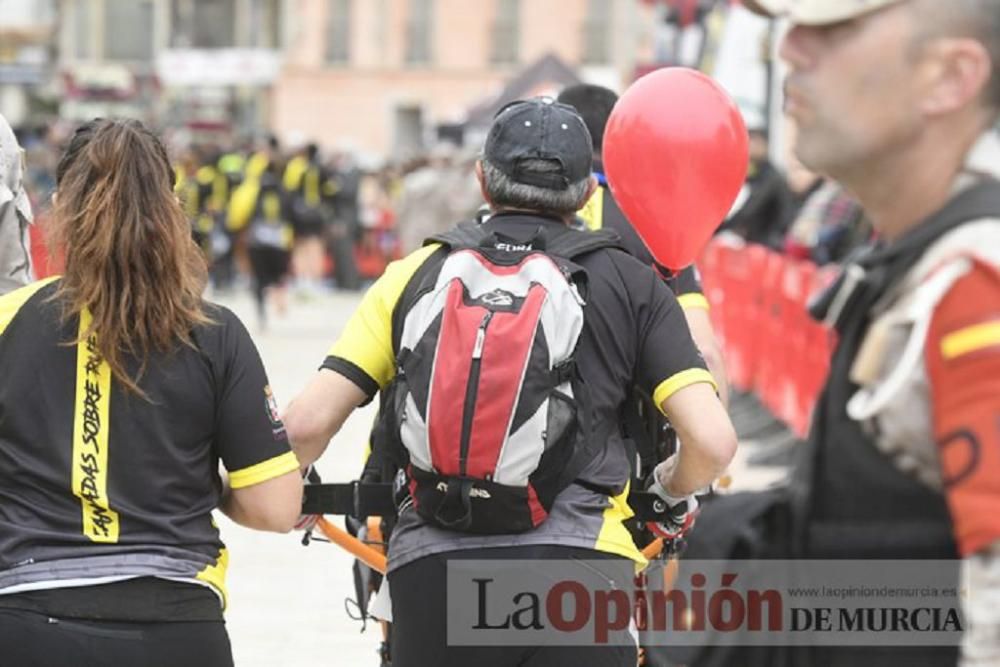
471 391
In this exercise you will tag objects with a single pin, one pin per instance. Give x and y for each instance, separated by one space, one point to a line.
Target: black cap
540 128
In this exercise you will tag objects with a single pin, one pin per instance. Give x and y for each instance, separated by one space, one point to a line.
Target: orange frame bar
366 554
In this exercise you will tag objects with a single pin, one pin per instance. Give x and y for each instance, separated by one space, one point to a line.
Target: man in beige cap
898 101
15 214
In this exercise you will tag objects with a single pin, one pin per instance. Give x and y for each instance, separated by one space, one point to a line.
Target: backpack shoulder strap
421 281
881 267
575 243
464 235
979 201
568 244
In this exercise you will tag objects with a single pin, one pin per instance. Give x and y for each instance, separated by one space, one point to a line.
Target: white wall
26 13
739 66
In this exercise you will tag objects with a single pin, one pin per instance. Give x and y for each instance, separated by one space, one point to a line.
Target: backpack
487 415
269 226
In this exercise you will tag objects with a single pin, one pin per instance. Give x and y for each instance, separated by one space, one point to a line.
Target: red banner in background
40 264
771 345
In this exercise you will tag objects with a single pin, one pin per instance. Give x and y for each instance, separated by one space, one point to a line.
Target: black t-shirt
97 483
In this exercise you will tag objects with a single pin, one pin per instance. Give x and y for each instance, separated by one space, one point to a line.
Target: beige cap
816 12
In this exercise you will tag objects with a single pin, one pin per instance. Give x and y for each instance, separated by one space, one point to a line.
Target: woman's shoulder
218 313
222 325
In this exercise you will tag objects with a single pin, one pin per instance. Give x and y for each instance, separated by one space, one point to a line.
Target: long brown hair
129 256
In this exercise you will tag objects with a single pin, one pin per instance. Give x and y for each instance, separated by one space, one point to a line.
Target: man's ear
591 189
482 183
962 74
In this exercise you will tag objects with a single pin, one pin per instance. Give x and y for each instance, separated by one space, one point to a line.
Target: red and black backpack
487 414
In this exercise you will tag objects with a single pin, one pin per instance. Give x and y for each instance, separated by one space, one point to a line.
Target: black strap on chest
364 499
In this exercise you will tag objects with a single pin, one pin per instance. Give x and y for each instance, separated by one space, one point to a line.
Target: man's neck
522 211
901 190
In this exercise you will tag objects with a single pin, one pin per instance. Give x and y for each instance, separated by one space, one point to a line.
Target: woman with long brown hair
121 391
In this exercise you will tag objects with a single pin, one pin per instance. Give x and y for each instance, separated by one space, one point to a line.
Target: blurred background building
204 65
27 51
393 76
379 77
386 73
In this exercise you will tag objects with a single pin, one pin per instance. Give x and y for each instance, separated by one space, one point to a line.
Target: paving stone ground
286 600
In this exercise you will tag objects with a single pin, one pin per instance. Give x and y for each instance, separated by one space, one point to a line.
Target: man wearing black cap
535 174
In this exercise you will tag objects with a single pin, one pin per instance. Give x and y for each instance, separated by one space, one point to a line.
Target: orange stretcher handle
366 554
653 549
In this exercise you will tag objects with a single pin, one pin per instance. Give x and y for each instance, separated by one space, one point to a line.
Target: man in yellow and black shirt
536 174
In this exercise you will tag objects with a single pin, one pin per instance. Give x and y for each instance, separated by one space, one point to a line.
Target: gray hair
979 19
504 192
989 27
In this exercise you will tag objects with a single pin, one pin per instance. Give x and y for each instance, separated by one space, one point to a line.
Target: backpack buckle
563 372
455 511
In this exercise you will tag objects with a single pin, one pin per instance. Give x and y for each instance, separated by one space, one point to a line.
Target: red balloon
676 155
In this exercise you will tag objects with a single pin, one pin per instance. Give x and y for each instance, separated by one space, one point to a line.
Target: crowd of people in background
276 217
294 217
798 213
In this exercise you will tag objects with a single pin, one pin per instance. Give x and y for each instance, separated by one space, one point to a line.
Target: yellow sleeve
264 471
592 212
256 164
294 171
220 191
693 300
179 177
330 187
241 205
11 302
678 381
205 175
367 339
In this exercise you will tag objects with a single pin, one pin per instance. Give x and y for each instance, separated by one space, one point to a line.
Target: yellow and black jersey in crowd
602 211
308 181
98 484
634 334
260 206
202 195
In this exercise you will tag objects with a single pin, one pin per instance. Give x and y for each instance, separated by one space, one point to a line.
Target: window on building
597 33
506 32
203 24
380 31
265 24
418 31
214 24
42 13
81 29
128 30
408 126
338 32
276 23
